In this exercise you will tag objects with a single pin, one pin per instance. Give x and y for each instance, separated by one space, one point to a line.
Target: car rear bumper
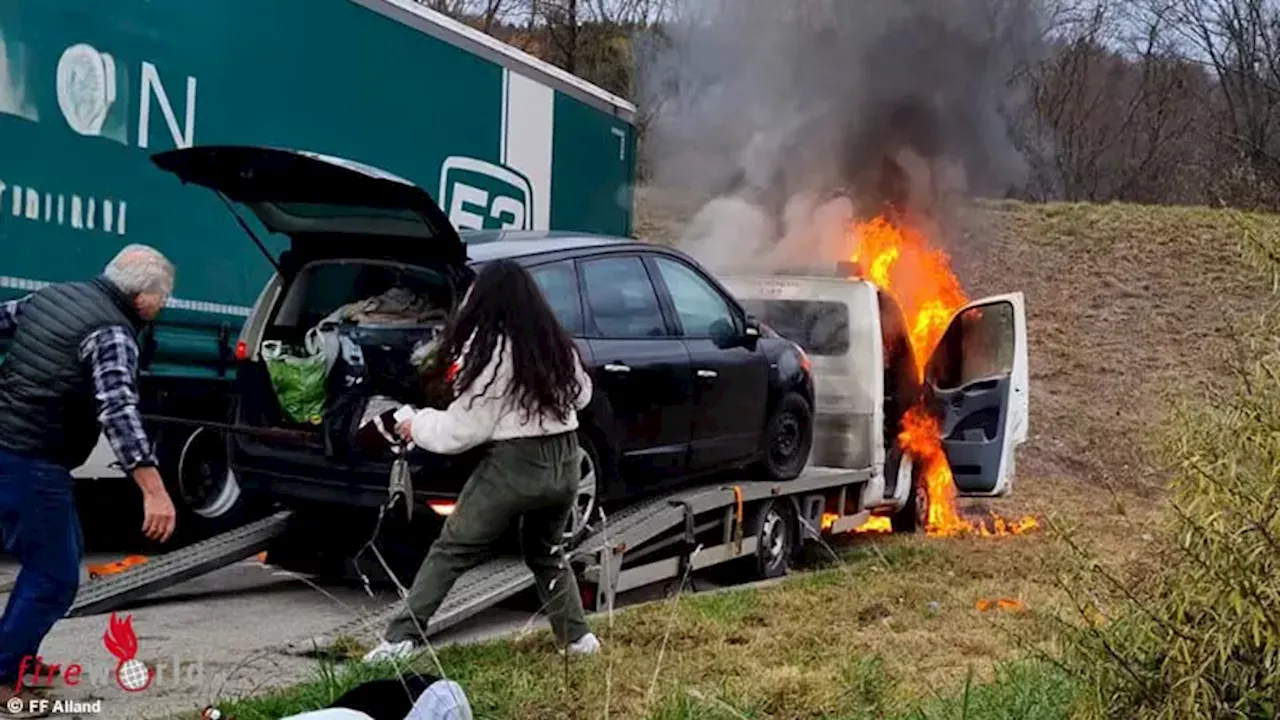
309 478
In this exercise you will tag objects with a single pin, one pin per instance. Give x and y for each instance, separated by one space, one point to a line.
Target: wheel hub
787 439
772 540
584 501
205 484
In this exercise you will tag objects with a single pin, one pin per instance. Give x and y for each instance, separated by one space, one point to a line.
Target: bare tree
483 14
1239 41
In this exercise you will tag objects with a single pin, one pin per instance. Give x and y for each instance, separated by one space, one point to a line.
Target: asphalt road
227 634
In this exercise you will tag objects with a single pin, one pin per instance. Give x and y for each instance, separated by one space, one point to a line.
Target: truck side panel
87 95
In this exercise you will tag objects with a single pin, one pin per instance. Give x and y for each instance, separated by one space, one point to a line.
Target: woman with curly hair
518 385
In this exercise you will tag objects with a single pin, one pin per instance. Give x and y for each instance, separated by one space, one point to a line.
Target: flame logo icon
132 675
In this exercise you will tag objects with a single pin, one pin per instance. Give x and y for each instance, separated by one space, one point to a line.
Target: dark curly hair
505 305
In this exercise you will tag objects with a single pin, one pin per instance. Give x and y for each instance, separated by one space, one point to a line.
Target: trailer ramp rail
165 571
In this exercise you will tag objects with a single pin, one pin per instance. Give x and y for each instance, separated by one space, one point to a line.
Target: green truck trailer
88 94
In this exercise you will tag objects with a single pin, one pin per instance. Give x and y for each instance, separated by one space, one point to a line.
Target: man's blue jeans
39 527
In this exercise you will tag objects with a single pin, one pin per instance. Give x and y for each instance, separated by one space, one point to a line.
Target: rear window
821 328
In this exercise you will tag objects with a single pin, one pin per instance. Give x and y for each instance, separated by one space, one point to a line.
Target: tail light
242 350
443 508
805 362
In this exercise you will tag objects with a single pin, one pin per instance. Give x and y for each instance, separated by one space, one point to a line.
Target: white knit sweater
473 419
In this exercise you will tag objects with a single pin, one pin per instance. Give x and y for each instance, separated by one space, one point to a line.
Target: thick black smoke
778 105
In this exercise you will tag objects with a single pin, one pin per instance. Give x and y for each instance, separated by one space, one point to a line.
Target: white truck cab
865 379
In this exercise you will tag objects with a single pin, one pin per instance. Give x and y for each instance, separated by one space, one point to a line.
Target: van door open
977 381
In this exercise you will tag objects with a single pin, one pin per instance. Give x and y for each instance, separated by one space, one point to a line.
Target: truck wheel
788 438
205 484
774 529
914 514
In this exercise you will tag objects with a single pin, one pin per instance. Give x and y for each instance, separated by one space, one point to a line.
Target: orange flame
900 261
875 525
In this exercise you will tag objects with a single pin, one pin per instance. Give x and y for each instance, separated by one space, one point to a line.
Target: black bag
386 699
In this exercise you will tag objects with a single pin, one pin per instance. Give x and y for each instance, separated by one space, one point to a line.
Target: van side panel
849 388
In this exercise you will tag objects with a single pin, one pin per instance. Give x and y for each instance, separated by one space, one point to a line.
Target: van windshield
820 328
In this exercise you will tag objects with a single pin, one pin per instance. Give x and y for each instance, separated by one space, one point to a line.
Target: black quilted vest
47 406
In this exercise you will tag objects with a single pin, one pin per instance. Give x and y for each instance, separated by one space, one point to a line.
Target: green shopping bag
299 383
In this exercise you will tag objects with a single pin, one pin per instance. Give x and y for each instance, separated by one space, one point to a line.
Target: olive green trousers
533 480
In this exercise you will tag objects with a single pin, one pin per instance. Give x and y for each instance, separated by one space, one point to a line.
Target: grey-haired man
70 373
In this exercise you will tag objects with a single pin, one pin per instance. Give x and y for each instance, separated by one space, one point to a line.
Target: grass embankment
1130 308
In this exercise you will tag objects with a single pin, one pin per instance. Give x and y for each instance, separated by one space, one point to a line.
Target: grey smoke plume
790 109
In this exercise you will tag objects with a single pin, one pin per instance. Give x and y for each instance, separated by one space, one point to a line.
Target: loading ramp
165 571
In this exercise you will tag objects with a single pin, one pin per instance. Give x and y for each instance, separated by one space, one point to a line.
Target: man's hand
159 515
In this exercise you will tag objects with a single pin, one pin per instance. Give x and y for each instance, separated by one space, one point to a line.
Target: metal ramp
477 590
165 571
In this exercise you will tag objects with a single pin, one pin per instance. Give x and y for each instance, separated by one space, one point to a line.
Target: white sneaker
386 651
588 644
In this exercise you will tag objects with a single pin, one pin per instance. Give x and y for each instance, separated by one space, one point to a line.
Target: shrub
1202 640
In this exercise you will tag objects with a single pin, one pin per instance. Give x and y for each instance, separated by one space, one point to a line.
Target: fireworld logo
132 675
126 672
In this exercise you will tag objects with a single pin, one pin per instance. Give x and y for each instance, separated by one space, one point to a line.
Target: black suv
686 383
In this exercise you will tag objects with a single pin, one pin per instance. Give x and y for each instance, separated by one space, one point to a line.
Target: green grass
841 641
1021 690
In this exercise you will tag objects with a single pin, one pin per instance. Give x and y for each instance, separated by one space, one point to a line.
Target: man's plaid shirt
112 354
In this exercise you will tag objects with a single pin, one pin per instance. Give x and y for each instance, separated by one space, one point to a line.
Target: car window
820 328
559 285
622 300
702 310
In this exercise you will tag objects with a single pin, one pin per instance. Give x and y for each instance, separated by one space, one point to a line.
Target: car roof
486 245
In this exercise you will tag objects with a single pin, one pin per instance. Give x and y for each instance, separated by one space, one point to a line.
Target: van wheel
914 515
788 438
774 529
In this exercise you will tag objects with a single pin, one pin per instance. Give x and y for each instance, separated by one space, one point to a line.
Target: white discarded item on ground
330 714
442 700
387 651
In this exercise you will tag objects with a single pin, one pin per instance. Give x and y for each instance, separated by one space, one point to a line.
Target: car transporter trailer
662 538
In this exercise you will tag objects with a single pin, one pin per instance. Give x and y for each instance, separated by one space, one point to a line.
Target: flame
1005 604
875 525
119 638
900 260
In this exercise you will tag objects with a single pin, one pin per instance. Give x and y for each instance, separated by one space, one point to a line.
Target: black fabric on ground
386 699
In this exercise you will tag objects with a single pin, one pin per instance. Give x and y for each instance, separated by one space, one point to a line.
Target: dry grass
1128 307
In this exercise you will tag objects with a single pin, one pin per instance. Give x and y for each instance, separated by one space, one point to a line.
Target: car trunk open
372 263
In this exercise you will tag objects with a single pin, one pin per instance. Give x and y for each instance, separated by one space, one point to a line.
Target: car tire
586 501
774 528
913 516
787 440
